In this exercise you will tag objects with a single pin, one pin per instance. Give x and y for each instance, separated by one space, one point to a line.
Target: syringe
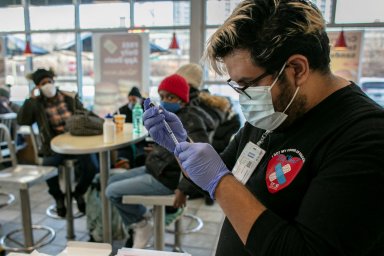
169 130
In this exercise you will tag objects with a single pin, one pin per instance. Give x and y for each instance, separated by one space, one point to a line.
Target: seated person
6 105
50 108
134 152
228 129
220 121
215 107
134 96
161 173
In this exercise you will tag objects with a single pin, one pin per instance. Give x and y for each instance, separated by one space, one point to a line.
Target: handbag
84 123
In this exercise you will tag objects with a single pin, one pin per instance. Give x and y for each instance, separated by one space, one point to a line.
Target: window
166 62
52 17
12 19
104 15
218 11
351 11
162 13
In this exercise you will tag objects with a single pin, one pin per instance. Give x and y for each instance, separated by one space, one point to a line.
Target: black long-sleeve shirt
329 197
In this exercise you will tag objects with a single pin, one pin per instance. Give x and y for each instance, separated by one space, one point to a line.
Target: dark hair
272 31
40 74
135 92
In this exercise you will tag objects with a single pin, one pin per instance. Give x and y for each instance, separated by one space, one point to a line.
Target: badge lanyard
249 158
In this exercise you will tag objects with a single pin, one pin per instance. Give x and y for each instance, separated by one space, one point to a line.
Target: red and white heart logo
282 170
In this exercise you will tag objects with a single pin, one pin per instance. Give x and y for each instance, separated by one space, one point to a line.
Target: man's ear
300 68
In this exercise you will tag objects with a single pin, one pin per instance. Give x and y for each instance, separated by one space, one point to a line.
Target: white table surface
69 144
76 145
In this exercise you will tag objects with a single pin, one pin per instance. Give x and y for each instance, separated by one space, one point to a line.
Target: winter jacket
125 110
163 165
225 121
227 129
33 110
216 106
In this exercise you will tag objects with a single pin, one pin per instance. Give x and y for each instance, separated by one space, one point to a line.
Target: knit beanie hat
176 85
193 73
40 74
135 92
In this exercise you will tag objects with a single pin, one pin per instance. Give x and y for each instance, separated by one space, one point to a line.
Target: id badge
247 162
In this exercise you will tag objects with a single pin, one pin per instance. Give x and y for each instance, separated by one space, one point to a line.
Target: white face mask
259 110
131 104
48 90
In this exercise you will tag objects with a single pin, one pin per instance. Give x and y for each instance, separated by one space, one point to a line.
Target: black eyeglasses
241 89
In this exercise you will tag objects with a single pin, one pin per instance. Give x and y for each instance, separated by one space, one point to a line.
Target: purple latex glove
202 164
154 122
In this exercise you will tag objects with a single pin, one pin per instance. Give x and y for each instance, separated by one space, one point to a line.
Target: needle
169 130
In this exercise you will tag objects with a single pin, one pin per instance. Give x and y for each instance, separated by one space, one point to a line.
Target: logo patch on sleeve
283 168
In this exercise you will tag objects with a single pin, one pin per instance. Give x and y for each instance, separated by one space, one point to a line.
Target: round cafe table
77 145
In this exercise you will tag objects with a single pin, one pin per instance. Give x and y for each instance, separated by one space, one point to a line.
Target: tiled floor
201 243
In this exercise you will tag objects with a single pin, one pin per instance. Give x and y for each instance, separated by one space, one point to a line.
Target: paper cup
119 121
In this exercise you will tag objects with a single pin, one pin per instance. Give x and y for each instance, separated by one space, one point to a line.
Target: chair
159 203
7 199
65 171
23 177
9 120
33 132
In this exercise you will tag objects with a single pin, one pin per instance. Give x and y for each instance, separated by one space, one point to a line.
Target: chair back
36 144
9 120
8 153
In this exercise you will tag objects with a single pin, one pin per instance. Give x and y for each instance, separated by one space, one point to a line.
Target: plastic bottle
137 118
109 129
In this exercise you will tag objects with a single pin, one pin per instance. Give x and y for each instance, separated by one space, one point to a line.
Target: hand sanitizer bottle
137 119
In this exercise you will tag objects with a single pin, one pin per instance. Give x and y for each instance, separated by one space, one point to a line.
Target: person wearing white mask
50 108
305 175
135 153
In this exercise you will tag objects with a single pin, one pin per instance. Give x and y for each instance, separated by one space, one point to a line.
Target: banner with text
121 62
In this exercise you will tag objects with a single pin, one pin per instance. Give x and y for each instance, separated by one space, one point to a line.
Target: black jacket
125 110
163 165
226 131
33 111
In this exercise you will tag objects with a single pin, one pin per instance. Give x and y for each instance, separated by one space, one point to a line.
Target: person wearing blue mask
173 94
161 173
305 175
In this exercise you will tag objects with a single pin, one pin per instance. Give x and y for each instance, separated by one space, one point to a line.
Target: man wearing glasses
305 175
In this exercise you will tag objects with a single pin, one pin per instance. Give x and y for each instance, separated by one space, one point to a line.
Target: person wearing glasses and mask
305 175
50 108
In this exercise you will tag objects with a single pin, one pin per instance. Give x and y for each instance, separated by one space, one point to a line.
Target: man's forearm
239 205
